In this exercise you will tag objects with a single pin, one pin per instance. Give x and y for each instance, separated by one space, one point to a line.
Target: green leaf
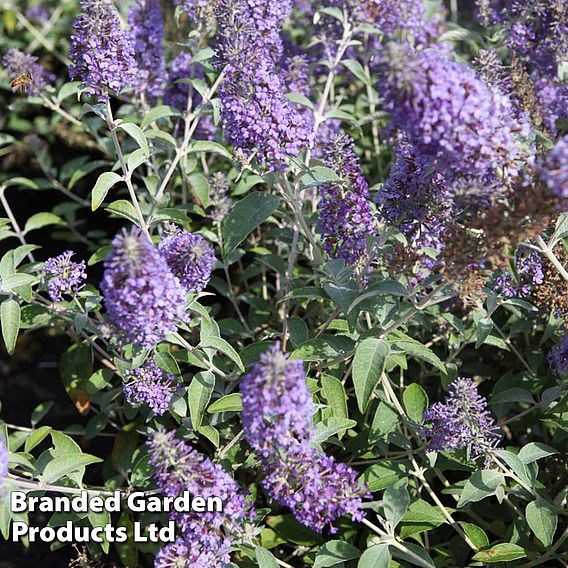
137 133
377 556
395 502
476 534
298 99
65 465
224 347
500 553
385 421
535 451
318 175
17 280
357 69
368 366
335 552
327 428
36 437
200 391
420 517
40 411
40 220
265 558
415 555
245 216
298 331
209 146
324 347
415 402
415 349
290 529
542 520
480 485
125 209
104 183
334 392
158 112
10 316
484 328
99 255
229 403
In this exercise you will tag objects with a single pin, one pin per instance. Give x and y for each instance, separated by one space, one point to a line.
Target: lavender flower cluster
190 258
143 298
345 218
528 274
461 421
102 53
555 170
258 119
144 287
558 356
147 35
416 198
17 63
205 538
277 410
63 276
151 385
448 113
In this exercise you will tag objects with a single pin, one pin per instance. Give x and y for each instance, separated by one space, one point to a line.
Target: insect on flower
21 82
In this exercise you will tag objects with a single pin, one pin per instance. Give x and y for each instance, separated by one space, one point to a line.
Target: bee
21 82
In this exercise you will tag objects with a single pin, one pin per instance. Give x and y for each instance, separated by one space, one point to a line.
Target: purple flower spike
147 35
345 209
63 276
149 385
101 54
448 113
205 538
462 421
277 411
144 300
555 170
190 257
558 356
17 63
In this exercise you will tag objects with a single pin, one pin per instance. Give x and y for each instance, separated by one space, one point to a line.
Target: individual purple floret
190 257
149 385
416 199
462 421
63 276
448 113
205 538
17 62
555 169
277 404
147 34
558 356
528 272
345 218
3 461
277 411
143 298
37 13
101 53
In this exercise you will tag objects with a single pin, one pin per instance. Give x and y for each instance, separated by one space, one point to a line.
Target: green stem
126 173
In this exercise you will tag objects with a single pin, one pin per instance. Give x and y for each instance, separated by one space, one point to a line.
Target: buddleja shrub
337 291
